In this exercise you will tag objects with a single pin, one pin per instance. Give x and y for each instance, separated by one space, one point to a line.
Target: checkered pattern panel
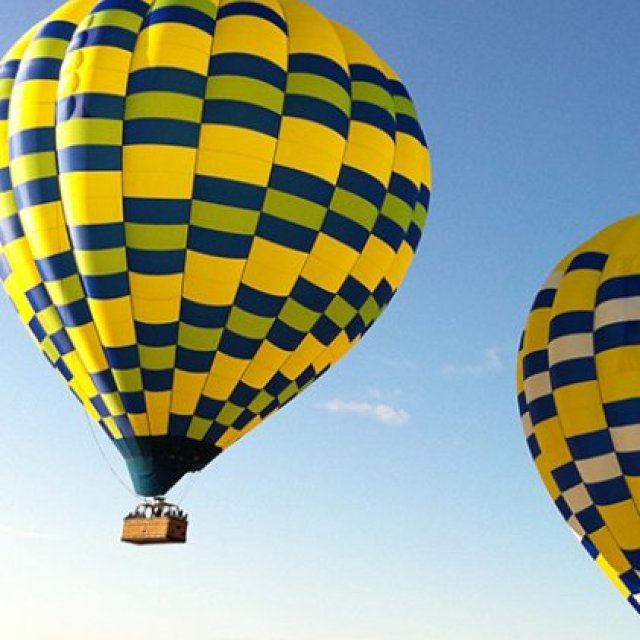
578 377
204 205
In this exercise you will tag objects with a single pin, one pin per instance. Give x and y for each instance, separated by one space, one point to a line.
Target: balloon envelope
203 206
579 396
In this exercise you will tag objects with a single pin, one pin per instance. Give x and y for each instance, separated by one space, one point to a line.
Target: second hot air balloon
579 396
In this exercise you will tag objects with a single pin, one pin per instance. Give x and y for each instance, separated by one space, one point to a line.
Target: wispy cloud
491 362
25 534
381 412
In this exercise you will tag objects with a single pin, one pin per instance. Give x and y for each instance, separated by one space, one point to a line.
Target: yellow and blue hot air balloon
204 204
579 396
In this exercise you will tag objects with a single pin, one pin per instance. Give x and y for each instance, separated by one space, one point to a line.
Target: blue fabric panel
178 133
90 158
194 361
258 303
544 299
623 412
156 335
252 9
570 323
363 185
573 372
219 243
286 233
248 66
204 316
155 262
609 491
346 231
167 79
301 184
325 331
39 298
566 476
106 287
57 267
10 229
535 362
617 335
39 69
91 105
241 114
36 192
76 314
319 66
32 141
590 260
180 15
316 110
590 445
239 346
621 287
542 409
311 296
375 116
122 357
228 192
157 211
107 36
93 237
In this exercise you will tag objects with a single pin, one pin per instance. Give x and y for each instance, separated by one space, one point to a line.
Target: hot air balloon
204 204
579 396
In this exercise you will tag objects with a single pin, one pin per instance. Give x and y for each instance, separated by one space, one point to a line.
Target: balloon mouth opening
157 463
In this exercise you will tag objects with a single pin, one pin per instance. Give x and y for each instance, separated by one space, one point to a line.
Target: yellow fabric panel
186 392
310 147
400 265
96 197
254 36
211 280
94 70
172 45
323 274
88 344
610 550
302 357
156 299
158 403
158 171
624 520
311 32
114 318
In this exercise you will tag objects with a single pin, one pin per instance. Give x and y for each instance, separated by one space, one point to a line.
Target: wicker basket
158 530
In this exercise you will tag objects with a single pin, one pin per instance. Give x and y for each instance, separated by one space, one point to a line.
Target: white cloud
25 534
381 412
490 363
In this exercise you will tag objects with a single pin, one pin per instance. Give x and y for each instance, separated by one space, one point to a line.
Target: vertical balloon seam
173 425
17 294
77 360
246 423
106 9
172 428
205 434
288 96
57 273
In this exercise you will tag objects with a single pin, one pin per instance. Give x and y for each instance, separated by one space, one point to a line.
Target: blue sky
339 520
